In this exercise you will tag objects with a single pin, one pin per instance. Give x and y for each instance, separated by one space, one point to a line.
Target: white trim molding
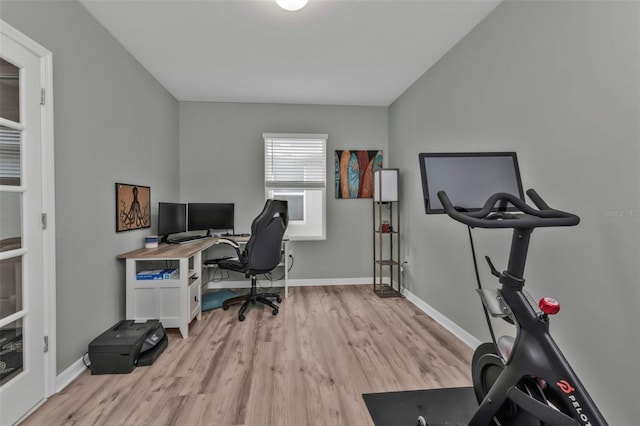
454 328
70 374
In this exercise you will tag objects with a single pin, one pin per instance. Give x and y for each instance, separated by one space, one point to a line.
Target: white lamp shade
292 5
385 185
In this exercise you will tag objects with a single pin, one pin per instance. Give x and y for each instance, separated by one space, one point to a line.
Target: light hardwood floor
309 365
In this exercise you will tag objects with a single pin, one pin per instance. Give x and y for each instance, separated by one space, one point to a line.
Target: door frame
48 199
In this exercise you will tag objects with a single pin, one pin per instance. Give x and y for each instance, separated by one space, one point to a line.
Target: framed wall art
354 172
133 207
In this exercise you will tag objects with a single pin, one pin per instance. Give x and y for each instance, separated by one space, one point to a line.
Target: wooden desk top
176 251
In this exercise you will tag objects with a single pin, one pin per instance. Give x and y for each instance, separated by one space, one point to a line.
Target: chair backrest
263 251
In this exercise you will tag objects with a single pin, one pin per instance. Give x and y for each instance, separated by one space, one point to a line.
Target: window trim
291 192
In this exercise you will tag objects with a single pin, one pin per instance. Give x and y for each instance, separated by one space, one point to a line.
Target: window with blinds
295 169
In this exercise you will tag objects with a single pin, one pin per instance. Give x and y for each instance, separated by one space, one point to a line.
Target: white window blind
9 153
295 161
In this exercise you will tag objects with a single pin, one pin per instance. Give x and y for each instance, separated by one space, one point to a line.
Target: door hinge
42 96
44 221
46 343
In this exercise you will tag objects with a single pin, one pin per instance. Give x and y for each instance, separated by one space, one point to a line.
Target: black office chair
261 254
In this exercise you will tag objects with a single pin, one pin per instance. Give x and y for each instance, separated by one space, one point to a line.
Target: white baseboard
454 328
291 283
70 374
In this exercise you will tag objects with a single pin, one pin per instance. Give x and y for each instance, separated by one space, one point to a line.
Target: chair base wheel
240 317
274 312
279 299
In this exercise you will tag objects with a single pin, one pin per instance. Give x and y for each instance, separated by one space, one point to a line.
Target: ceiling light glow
292 5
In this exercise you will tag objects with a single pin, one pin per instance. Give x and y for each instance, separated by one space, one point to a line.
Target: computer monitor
211 216
469 179
172 219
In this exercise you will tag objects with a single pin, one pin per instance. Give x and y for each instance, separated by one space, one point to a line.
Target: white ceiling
332 52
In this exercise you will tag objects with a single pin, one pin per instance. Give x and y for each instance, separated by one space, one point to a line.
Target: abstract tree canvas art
354 172
133 207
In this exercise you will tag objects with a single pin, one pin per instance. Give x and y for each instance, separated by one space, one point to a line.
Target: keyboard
186 239
218 259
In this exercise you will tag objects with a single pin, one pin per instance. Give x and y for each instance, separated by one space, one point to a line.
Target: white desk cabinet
175 302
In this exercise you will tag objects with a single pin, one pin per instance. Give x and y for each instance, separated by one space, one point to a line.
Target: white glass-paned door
22 372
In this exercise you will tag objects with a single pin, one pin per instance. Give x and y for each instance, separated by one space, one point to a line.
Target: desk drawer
194 298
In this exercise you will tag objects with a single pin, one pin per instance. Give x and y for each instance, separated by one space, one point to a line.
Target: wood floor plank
309 365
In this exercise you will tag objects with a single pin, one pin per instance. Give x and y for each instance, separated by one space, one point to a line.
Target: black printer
126 345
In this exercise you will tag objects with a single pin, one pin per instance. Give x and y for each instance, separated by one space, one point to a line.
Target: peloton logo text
568 389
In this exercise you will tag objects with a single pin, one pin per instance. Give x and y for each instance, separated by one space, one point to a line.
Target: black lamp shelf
386 221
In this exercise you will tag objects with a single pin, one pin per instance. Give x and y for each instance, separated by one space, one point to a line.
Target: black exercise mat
450 406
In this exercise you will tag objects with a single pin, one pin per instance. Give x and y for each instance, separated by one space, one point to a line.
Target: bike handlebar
544 216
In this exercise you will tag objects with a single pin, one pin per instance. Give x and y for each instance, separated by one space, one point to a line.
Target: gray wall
222 160
558 82
113 123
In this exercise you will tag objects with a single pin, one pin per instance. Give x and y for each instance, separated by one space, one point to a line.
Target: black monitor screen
469 179
205 216
172 218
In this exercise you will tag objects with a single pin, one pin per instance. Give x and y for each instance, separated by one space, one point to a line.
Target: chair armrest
228 241
231 243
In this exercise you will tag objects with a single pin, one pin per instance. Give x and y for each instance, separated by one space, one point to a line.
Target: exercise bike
526 380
